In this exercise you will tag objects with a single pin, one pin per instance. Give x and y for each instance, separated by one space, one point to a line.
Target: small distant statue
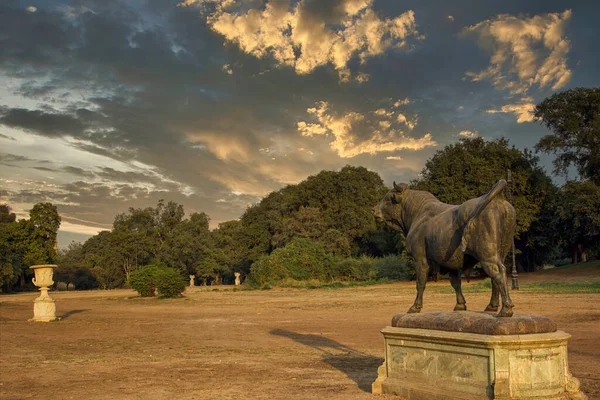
237 279
453 238
192 277
217 280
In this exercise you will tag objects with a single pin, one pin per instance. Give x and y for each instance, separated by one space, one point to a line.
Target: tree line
323 229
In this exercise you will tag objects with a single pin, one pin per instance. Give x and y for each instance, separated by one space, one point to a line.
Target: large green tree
332 207
573 117
577 218
26 242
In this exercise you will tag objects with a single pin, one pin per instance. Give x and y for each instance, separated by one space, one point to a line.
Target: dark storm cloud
46 169
41 122
78 171
10 159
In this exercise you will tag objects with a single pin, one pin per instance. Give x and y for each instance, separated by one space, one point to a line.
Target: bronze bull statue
448 238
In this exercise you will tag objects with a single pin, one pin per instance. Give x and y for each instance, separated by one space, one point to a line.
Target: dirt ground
277 344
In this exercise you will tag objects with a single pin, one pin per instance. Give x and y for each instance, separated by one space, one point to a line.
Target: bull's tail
470 225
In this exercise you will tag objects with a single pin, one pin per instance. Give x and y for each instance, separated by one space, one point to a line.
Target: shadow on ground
69 313
358 366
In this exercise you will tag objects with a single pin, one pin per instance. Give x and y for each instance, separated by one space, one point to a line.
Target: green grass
560 287
546 287
315 284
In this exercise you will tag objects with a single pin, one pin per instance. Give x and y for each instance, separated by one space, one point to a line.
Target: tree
338 202
578 217
25 243
574 118
469 168
6 216
102 258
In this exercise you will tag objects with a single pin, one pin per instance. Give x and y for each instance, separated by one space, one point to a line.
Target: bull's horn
401 187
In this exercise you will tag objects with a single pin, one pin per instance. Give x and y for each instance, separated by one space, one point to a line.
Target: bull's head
390 209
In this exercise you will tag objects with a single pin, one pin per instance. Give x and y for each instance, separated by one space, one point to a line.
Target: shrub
355 269
152 278
299 260
393 267
142 280
169 283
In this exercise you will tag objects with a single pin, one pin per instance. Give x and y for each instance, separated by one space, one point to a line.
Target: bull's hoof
414 310
505 312
491 309
460 307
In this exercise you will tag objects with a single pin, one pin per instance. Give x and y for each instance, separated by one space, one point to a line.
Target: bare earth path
279 344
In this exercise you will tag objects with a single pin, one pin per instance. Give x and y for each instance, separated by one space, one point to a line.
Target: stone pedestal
44 309
192 277
467 355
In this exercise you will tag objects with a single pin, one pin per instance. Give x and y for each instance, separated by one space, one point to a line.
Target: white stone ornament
44 309
237 279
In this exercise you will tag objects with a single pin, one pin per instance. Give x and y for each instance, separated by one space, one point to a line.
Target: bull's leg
497 271
494 303
461 304
422 271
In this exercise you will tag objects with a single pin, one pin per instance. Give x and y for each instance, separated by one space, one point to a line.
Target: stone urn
237 279
44 309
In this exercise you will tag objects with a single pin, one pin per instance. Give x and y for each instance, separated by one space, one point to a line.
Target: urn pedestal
44 309
467 355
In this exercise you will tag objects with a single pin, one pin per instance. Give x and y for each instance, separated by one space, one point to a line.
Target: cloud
7 137
80 228
227 69
31 9
468 134
523 110
396 158
367 133
525 51
308 35
39 121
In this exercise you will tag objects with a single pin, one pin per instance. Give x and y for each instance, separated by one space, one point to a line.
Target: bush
169 283
152 278
300 260
355 269
142 280
397 268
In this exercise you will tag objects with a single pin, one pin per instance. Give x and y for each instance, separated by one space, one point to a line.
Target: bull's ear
401 187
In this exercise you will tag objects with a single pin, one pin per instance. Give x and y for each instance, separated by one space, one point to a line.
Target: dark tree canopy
574 118
6 216
577 217
26 242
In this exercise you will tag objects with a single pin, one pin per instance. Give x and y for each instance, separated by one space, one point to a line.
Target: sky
111 104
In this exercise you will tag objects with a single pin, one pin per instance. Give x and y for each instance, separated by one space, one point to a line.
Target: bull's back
492 235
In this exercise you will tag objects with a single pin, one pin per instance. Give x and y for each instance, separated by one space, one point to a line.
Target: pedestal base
429 364
44 310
